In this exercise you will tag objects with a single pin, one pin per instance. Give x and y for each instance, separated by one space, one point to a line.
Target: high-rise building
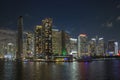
111 47
60 42
8 43
97 47
29 45
92 47
100 47
82 45
47 27
43 38
19 54
65 37
39 41
56 42
73 47
116 48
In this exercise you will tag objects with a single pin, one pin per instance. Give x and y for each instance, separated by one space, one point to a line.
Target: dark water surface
96 70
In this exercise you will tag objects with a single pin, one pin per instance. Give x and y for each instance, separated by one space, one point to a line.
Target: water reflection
1 70
19 71
96 70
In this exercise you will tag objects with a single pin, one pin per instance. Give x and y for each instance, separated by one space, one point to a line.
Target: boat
84 59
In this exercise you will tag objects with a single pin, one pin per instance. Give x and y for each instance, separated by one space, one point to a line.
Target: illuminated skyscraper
39 41
56 42
8 43
92 47
29 41
96 47
43 38
111 47
47 27
116 48
100 47
73 47
82 45
60 42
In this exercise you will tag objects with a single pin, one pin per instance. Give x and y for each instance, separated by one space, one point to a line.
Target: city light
45 41
83 35
100 38
94 39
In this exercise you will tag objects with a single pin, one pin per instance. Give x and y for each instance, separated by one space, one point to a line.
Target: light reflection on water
96 70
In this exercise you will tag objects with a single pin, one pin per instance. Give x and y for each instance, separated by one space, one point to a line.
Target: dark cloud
108 24
118 6
118 18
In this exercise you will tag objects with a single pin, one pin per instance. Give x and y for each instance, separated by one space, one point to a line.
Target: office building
100 47
28 45
56 42
65 37
111 48
82 45
60 42
116 48
73 47
92 47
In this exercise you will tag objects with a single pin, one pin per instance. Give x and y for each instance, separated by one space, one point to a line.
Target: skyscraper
100 47
82 45
92 47
56 42
47 27
39 41
19 53
60 42
43 38
73 47
29 44
111 47
65 37
116 48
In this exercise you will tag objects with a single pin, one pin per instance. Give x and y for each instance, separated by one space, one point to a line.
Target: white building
73 47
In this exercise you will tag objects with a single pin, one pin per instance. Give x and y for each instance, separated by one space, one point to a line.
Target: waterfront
95 70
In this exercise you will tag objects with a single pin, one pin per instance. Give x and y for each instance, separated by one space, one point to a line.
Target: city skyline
91 17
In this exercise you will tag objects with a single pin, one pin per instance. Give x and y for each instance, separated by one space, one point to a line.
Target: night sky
93 17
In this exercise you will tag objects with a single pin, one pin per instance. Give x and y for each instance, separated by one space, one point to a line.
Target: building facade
47 28
73 47
82 45
56 42
100 47
92 47
28 45
65 37
43 38
111 48
60 43
39 46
